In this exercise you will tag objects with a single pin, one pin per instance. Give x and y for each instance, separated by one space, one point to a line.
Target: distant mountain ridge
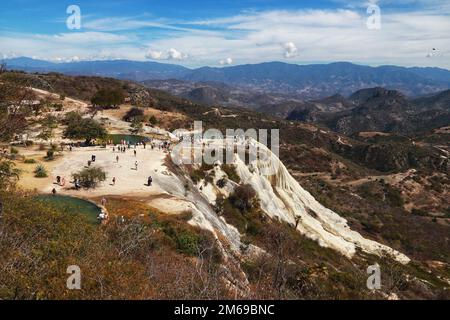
121 69
381 110
299 81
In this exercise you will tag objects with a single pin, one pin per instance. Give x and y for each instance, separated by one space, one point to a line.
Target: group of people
120 149
61 181
103 213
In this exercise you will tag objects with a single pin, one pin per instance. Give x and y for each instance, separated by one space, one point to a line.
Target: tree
2 67
107 98
15 106
8 174
84 128
48 124
90 177
137 126
134 114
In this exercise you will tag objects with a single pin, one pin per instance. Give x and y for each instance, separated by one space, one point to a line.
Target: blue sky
228 32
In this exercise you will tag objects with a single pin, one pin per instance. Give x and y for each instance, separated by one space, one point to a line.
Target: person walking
117 159
149 181
114 181
136 165
135 153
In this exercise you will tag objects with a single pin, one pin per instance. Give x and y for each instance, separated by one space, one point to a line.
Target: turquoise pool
72 205
116 138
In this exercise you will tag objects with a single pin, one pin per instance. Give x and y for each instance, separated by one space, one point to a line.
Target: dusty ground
129 181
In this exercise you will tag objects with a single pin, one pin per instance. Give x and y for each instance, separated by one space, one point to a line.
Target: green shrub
50 155
29 161
244 198
230 171
197 175
40 171
153 121
188 243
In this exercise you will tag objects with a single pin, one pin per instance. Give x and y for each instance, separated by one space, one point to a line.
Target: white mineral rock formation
282 197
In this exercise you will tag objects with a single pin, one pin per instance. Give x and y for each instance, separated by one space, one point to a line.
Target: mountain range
373 109
295 81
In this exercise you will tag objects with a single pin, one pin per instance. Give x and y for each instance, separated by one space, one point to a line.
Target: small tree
83 128
8 174
137 126
134 114
153 121
15 106
48 125
90 177
107 98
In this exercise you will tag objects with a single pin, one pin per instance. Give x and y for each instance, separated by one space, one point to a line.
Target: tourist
54 191
117 159
103 215
136 165
135 153
149 181
114 181
58 180
89 163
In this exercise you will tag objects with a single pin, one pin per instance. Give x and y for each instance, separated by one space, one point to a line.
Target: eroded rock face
281 197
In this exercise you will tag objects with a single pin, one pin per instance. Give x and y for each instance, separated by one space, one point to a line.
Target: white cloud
171 54
174 54
290 50
226 61
154 55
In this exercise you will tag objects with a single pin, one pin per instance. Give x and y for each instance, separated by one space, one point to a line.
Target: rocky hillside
378 110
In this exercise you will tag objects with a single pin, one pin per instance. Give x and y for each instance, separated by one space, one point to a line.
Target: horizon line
225 66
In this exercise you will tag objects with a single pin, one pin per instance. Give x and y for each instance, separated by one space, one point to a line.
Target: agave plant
40 171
